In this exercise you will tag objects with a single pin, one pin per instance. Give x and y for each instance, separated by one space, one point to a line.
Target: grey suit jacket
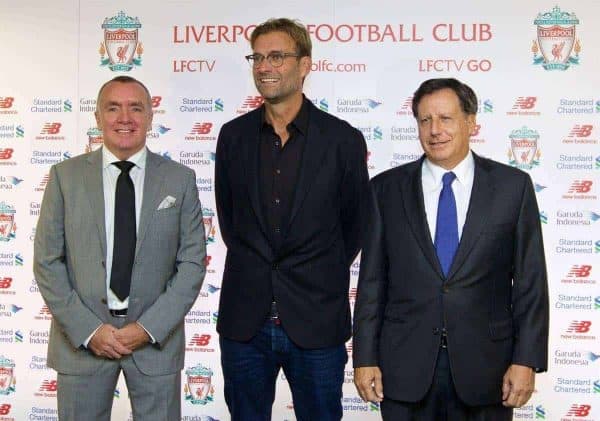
70 253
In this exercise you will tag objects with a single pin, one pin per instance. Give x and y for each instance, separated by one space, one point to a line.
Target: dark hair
124 79
466 96
293 28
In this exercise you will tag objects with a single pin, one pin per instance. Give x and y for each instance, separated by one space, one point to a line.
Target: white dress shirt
431 179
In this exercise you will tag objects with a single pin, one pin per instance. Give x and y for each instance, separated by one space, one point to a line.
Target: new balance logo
199 340
579 326
201 128
579 410
581 186
583 130
51 128
579 271
525 103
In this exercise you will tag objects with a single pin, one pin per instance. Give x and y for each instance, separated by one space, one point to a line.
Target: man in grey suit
118 258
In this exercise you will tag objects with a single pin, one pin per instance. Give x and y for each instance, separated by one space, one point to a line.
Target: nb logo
581 186
580 271
579 326
584 130
525 102
253 102
6 153
476 130
48 386
5 409
579 410
156 101
6 102
201 128
5 282
200 340
51 128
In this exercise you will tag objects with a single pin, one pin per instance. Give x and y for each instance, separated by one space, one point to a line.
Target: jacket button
445 290
275 266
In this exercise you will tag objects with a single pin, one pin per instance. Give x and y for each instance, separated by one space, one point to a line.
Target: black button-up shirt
279 169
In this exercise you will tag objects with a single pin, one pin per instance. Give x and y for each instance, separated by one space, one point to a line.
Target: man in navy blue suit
451 318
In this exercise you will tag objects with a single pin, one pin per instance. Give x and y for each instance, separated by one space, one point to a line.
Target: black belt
118 313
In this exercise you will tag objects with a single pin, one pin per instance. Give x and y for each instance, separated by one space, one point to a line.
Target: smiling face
124 114
278 84
444 128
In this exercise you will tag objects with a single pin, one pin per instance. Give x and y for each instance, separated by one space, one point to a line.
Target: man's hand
133 336
368 383
517 385
105 344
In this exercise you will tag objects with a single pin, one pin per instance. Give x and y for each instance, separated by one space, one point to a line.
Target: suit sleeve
73 317
169 310
530 287
372 287
222 187
354 194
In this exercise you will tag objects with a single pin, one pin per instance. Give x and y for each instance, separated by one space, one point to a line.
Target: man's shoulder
76 163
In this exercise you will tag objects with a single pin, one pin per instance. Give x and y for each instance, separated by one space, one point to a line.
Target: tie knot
124 166
448 178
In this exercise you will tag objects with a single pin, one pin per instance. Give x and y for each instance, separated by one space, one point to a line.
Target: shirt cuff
89 338
152 340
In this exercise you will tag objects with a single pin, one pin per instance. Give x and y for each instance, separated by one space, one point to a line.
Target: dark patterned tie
124 232
446 229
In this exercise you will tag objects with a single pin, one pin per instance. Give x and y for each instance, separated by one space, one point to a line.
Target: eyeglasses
275 58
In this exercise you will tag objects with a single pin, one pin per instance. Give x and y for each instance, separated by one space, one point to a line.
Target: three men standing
291 182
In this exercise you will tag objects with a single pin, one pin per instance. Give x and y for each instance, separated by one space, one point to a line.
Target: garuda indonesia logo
121 43
556 40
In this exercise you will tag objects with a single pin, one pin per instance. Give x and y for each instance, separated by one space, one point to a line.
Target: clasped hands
112 343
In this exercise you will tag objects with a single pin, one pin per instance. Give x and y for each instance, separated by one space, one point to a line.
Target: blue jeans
251 368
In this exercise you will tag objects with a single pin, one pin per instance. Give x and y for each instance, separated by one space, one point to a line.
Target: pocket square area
167 202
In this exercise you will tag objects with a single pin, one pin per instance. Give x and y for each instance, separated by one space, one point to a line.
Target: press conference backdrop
534 66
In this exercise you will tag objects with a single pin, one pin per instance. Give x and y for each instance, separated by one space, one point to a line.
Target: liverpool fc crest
556 47
121 43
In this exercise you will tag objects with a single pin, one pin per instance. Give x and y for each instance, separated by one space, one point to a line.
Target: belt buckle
122 313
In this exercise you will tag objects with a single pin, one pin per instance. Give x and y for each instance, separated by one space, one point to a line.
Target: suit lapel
312 157
414 206
251 149
153 185
480 203
94 187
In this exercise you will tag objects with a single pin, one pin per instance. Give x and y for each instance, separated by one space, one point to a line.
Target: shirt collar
432 174
138 158
300 122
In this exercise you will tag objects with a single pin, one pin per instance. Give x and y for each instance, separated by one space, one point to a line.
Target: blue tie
446 229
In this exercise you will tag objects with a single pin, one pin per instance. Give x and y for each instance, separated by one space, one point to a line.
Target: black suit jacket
309 274
494 302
